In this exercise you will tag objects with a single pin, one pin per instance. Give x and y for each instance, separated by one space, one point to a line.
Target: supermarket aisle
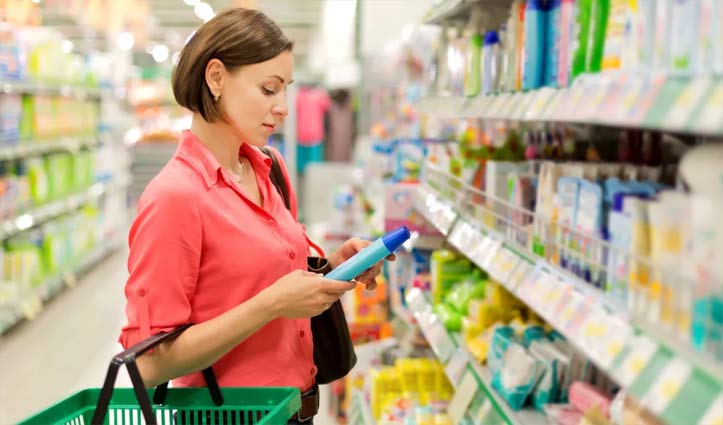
66 348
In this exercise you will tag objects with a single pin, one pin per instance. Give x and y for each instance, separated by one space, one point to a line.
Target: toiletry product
580 37
566 45
490 67
566 205
639 290
684 37
553 42
663 34
473 72
599 10
516 380
520 50
534 50
370 255
585 397
615 34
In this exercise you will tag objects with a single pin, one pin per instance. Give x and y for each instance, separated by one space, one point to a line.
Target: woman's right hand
301 294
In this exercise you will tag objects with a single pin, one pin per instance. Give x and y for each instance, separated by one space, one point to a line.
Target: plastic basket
266 405
132 406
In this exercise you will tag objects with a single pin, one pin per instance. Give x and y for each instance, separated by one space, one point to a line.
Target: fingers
336 286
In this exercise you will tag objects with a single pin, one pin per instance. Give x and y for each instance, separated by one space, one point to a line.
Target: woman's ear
215 71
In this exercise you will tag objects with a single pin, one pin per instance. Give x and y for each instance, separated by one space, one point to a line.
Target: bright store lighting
191 2
67 46
160 53
126 40
204 11
24 222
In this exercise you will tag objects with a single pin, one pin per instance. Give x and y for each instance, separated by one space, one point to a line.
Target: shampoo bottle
534 51
553 43
566 25
580 37
598 27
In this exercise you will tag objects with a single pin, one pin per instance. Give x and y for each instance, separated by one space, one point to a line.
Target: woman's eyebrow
280 79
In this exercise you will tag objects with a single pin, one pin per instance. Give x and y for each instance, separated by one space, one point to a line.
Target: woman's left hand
351 247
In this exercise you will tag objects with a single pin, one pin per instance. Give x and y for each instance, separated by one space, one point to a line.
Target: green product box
650 373
54 250
60 175
38 179
26 122
23 262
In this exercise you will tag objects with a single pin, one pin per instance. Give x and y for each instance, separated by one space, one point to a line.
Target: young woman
213 243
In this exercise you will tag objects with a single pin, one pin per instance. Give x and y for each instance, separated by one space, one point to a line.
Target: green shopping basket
132 406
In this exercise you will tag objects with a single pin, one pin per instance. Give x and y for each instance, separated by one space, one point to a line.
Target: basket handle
128 358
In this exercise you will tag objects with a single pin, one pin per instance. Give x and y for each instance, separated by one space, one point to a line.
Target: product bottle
370 255
521 11
615 34
580 37
553 43
566 25
489 56
473 74
683 38
599 11
661 43
534 50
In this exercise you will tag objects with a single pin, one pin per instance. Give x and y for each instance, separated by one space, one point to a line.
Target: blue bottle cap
492 37
396 238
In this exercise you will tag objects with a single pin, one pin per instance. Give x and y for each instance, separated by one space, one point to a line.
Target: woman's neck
220 139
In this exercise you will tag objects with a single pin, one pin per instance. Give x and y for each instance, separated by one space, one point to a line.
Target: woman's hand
351 247
302 294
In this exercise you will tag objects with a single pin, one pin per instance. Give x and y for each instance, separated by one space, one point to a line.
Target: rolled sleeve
165 251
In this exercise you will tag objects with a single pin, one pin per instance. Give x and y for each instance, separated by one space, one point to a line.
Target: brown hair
236 37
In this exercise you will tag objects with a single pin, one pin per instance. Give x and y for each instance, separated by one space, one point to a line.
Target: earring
216 98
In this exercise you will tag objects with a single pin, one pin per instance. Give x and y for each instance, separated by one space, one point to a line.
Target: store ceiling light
191 2
125 40
160 53
204 11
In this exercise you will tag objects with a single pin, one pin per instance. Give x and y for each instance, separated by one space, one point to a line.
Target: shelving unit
663 373
450 349
686 105
43 213
453 12
33 303
29 87
24 150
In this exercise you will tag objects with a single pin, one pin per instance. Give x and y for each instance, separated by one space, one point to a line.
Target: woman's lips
270 127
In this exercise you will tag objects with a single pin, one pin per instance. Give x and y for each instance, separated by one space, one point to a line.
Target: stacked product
552 42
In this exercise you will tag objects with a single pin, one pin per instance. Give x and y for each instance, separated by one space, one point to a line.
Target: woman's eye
268 92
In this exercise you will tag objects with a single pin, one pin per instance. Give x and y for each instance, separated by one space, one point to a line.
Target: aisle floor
69 345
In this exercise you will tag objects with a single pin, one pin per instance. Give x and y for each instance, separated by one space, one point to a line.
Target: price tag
479 253
440 340
540 100
576 95
466 391
667 386
456 366
456 236
618 336
645 101
491 254
641 352
580 314
554 105
711 118
681 111
551 295
714 415
519 274
524 288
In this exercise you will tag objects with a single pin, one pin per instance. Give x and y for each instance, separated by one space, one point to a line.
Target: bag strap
278 180
277 177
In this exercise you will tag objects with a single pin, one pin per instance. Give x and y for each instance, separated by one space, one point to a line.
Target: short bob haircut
236 37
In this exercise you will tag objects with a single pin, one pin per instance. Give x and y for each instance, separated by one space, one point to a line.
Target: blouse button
292 255
142 292
301 334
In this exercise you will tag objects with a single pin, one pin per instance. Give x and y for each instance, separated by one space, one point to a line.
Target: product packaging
553 42
534 50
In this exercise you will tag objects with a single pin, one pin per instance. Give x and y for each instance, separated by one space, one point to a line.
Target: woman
213 243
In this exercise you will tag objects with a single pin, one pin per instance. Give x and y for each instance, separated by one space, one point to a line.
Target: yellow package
442 419
480 346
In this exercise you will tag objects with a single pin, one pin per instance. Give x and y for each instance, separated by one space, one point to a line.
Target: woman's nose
281 108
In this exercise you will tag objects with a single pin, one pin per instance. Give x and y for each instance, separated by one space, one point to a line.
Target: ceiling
172 21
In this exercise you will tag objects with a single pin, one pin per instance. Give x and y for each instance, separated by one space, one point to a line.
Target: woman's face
254 97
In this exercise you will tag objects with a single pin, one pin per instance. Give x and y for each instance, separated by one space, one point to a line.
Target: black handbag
334 354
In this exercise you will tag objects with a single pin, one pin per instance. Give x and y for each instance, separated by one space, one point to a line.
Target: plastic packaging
534 50
599 11
616 34
473 73
580 38
661 43
516 380
553 42
566 45
370 255
585 397
490 67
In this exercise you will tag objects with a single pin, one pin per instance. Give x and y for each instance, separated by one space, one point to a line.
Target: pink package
584 396
563 414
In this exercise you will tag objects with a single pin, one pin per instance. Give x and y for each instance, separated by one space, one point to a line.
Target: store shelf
32 305
635 353
454 355
66 90
452 12
25 150
686 105
41 214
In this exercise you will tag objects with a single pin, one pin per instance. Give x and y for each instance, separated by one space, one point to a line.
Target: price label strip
642 349
495 246
456 366
440 341
519 275
711 119
667 386
466 391
681 112
714 415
